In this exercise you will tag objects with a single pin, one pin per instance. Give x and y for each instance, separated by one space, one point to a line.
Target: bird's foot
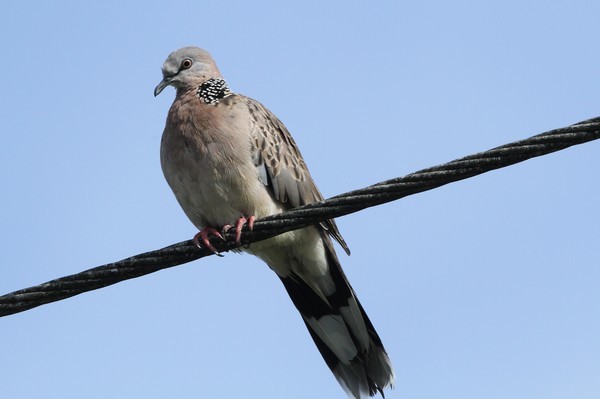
239 225
202 236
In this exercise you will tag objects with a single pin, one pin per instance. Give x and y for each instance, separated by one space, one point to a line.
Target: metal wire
337 206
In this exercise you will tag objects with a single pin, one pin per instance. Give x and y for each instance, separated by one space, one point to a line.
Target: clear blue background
486 288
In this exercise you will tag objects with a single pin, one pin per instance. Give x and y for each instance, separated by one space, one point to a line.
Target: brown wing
280 164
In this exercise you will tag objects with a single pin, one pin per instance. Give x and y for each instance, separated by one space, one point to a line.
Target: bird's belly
218 197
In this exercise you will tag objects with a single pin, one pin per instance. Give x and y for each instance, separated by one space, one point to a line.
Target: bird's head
187 67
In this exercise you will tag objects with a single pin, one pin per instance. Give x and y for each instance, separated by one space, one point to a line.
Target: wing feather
280 165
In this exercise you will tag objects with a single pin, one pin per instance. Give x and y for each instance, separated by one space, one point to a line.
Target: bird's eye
186 64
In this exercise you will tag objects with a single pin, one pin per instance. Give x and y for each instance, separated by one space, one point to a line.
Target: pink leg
239 225
251 221
203 236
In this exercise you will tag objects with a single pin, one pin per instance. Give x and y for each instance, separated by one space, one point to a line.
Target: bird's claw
202 236
239 225
201 239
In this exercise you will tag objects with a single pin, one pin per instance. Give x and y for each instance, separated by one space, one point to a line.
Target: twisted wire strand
340 205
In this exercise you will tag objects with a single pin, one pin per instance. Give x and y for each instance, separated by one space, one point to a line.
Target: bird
230 161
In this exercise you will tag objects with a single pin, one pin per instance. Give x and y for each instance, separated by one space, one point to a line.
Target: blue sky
486 288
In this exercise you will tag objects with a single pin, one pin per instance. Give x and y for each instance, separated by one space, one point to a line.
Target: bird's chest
213 178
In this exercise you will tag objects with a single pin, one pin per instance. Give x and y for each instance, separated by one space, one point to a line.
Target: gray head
187 67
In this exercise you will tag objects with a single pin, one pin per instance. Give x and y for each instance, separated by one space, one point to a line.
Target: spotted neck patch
213 90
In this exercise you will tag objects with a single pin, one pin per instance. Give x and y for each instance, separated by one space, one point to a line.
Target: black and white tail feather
343 332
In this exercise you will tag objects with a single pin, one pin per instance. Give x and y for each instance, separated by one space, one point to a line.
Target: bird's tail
342 331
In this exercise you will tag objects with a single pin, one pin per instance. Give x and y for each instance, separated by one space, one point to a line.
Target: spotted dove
229 160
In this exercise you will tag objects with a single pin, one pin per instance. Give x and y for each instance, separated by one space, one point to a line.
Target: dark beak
161 86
